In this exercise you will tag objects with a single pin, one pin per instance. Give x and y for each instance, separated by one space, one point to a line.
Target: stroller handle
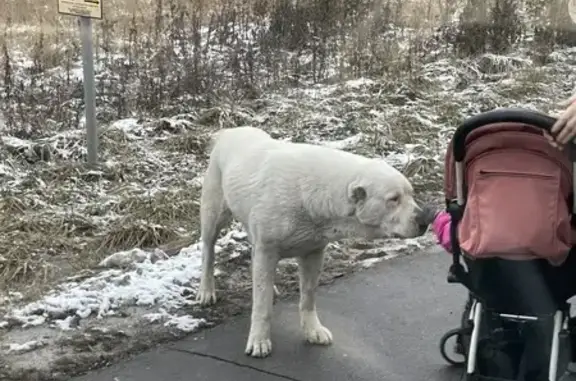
506 115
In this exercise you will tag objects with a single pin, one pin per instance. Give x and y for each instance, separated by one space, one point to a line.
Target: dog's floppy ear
357 193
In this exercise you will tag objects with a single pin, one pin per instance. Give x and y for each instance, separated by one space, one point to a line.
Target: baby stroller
508 332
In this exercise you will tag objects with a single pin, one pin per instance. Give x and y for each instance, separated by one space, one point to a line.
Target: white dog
293 199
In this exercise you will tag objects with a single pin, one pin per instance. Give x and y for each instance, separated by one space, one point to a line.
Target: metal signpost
86 10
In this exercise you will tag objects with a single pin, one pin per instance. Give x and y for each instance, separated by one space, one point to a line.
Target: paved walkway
386 322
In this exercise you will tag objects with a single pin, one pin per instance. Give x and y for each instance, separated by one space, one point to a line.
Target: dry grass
129 233
43 237
43 13
188 142
35 28
38 249
30 245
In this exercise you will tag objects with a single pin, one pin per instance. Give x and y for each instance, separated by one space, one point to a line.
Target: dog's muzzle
424 217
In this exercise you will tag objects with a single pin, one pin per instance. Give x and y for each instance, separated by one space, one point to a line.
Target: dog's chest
302 241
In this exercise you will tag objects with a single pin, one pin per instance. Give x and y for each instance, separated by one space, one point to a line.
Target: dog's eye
394 198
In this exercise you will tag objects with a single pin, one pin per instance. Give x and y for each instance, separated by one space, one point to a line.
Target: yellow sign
84 8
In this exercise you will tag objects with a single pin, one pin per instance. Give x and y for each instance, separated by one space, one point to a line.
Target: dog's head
384 204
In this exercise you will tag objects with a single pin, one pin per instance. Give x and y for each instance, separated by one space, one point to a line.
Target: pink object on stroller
509 195
441 228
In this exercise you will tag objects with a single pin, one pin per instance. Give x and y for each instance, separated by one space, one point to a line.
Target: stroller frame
469 334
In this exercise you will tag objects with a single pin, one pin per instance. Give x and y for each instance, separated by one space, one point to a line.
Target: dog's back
229 141
256 146
246 151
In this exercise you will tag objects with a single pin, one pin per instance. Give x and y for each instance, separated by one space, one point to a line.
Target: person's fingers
550 139
562 120
568 133
560 123
561 135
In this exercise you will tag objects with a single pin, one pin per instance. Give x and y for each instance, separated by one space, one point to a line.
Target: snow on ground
153 280
24 348
163 283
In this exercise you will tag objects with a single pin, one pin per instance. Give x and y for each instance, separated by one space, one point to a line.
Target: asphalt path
386 322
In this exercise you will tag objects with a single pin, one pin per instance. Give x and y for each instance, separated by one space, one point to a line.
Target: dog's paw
318 335
206 296
258 347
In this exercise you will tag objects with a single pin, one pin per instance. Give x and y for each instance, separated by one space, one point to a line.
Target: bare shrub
554 26
506 26
182 54
498 25
493 26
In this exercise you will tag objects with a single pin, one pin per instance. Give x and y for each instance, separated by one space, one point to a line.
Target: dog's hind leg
214 216
309 268
264 262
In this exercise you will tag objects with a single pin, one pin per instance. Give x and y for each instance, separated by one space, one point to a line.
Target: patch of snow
317 92
5 170
126 125
67 324
184 323
14 142
350 142
32 320
162 283
23 348
154 279
371 262
395 248
399 159
156 316
358 83
130 257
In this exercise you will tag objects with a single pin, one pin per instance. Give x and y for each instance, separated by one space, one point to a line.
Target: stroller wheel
453 353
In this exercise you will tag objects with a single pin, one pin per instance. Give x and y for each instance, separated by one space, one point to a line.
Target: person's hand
564 130
552 141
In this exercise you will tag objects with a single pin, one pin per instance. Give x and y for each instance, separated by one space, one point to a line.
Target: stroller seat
523 332
516 322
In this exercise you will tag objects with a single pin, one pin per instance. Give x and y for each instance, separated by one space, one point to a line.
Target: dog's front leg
309 268
264 262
